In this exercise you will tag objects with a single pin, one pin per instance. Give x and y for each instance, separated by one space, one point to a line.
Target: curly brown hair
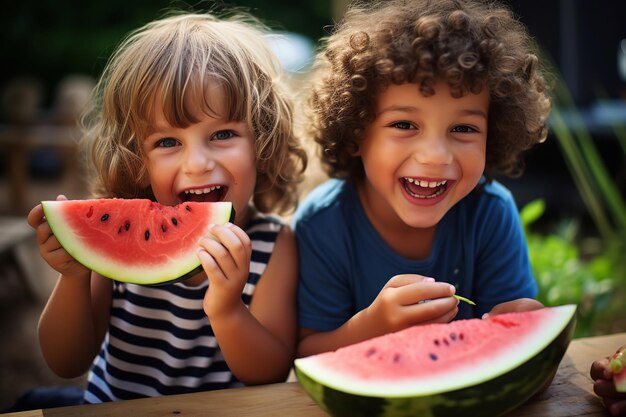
470 44
175 58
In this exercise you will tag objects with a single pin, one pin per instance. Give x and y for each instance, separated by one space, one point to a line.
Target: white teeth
426 184
203 190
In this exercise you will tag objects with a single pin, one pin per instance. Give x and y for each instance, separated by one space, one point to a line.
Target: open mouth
424 189
205 195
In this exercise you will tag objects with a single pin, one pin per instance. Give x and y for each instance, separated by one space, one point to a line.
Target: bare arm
396 307
73 323
74 320
258 344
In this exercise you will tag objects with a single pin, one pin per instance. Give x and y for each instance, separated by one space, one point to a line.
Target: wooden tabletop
569 395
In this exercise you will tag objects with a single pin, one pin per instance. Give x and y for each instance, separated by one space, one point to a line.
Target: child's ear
355 150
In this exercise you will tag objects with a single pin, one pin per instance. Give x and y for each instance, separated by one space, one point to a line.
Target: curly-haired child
416 106
190 107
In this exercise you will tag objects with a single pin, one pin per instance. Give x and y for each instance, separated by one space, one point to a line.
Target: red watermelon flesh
618 367
134 240
620 381
431 359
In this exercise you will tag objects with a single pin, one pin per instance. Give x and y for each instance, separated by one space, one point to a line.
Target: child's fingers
422 291
605 388
599 369
440 310
243 238
406 279
35 216
210 266
519 305
615 407
221 256
236 242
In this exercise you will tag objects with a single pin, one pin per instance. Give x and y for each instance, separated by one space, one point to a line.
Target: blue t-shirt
479 247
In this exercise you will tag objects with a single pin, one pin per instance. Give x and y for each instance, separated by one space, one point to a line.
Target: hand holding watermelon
514 306
609 375
50 248
400 304
225 257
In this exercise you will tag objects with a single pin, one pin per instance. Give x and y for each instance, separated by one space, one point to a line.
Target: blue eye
223 134
166 143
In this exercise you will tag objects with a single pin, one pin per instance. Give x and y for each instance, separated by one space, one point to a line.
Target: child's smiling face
422 154
211 160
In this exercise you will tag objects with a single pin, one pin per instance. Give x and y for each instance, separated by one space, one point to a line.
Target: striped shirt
160 341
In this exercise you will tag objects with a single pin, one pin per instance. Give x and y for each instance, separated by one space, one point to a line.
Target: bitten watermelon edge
135 240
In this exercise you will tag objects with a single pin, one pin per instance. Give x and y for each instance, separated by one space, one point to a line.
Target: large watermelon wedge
463 368
135 240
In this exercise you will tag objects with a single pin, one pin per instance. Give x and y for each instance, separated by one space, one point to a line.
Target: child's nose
198 161
433 150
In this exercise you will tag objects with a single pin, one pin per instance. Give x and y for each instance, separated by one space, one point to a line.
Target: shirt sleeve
325 298
503 270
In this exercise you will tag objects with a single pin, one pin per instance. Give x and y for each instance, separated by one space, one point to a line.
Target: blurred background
571 195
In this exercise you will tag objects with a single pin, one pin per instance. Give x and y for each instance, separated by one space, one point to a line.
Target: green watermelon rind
489 398
178 269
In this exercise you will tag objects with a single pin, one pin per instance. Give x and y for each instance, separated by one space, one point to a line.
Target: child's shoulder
490 198
261 222
496 190
326 199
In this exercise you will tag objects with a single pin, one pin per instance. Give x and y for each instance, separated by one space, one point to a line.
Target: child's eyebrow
154 128
412 109
475 112
395 107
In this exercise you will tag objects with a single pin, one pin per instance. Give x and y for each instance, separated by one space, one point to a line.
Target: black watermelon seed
187 208
119 231
104 217
453 336
433 357
174 221
163 228
370 352
127 226
147 234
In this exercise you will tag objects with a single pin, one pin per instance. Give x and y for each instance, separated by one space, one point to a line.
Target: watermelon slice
135 240
618 367
466 367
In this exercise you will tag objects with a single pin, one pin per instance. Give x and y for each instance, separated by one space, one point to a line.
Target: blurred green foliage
587 269
574 270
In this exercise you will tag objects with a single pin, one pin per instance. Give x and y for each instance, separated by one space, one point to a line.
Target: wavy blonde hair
471 45
178 57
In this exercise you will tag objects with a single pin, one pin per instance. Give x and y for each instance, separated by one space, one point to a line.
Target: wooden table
569 395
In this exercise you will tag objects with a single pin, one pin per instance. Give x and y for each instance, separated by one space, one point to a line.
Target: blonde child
190 107
416 106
